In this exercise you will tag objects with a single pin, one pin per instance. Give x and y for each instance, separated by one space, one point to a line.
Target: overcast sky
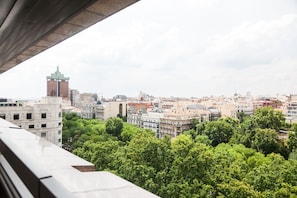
174 48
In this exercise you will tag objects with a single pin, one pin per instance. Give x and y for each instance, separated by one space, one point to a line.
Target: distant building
74 96
135 107
274 103
174 125
135 112
42 118
111 109
58 85
151 120
135 118
215 114
120 98
291 112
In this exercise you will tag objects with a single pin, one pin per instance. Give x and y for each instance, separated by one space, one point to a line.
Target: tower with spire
58 85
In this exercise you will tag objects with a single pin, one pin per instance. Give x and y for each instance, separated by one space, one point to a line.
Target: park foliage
225 158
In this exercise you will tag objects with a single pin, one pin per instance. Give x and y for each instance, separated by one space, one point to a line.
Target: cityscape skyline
186 50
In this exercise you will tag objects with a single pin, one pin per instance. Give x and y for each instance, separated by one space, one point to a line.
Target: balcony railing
30 166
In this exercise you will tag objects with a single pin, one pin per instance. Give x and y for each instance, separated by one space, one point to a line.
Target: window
43 125
59 132
43 115
16 116
29 116
3 116
43 134
31 126
59 139
60 114
59 123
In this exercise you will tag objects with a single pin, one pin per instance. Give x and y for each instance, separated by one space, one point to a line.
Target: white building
291 112
151 120
135 119
42 118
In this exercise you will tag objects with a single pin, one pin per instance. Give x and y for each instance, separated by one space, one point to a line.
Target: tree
218 132
114 126
268 118
129 131
194 122
292 140
241 115
203 139
245 134
266 141
237 189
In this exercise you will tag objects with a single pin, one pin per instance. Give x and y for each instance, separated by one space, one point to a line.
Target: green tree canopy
268 118
218 132
114 126
266 141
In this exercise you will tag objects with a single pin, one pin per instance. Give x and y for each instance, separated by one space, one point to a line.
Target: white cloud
263 42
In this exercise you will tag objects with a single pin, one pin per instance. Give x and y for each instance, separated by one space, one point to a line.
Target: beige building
174 125
42 118
111 109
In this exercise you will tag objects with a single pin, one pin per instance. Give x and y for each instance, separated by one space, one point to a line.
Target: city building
74 96
42 118
111 109
174 125
291 112
151 120
58 85
266 102
290 109
135 118
135 112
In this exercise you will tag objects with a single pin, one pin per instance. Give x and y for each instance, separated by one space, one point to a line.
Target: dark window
59 123
60 114
29 116
43 134
3 116
43 125
16 116
31 126
59 132
43 115
121 110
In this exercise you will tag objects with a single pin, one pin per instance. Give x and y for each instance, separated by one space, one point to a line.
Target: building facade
151 120
174 125
42 118
291 112
135 119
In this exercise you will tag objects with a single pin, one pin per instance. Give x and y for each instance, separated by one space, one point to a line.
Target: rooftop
57 76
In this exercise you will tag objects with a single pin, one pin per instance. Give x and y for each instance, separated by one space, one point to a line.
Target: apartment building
291 112
174 125
152 120
42 118
135 119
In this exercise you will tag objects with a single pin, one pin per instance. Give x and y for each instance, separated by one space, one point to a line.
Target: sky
190 48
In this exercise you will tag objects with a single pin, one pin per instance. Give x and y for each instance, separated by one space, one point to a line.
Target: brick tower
58 85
